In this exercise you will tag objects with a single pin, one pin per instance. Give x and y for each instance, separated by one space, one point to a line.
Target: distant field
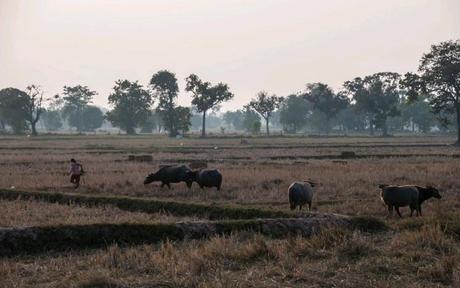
415 252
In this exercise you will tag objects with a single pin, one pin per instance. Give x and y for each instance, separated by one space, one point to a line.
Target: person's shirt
74 168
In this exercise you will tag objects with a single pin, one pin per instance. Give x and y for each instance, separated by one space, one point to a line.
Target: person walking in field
76 170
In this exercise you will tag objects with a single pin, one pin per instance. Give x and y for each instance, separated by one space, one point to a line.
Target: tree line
384 102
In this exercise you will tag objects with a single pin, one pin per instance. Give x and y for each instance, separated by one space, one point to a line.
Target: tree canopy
131 105
377 96
206 96
165 88
265 105
325 100
439 80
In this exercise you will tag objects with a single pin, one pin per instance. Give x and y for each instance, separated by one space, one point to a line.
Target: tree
12 109
418 114
76 100
439 79
92 118
377 96
294 111
33 106
349 120
149 124
206 97
265 105
250 117
164 85
183 116
235 119
131 105
326 101
52 120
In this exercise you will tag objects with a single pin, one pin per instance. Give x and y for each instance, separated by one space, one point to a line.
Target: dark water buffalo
169 174
301 194
407 195
206 178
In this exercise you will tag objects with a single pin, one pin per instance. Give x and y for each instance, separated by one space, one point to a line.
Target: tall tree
206 97
250 117
377 96
52 120
93 118
76 99
164 85
326 101
183 116
439 79
265 105
131 105
33 106
235 119
294 113
12 109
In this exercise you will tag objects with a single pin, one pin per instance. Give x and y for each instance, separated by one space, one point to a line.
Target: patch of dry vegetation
333 258
417 252
26 213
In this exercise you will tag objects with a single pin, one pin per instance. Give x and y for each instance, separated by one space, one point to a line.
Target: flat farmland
414 252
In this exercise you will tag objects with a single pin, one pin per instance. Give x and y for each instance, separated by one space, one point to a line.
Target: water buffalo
407 195
169 174
301 194
206 178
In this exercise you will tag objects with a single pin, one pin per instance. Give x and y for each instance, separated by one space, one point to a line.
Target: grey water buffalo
301 194
169 174
206 178
407 195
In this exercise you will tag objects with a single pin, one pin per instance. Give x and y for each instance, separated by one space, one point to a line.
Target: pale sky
277 46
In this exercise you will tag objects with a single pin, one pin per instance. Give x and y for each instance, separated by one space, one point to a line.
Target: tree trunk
130 131
172 127
203 127
384 128
371 126
34 129
266 126
458 124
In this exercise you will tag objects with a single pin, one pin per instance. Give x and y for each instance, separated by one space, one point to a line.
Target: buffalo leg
390 211
309 206
397 211
162 184
169 185
419 210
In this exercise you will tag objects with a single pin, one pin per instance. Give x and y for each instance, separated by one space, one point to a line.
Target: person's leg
77 181
72 179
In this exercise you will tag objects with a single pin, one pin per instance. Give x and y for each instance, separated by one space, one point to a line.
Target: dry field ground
421 252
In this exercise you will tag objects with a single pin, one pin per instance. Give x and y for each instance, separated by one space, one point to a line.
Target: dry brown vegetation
415 253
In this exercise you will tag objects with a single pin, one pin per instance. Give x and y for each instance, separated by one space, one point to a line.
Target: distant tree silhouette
13 103
326 101
377 96
439 80
164 85
131 105
294 111
206 97
265 105
76 99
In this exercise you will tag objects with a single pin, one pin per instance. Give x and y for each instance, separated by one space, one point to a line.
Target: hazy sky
277 46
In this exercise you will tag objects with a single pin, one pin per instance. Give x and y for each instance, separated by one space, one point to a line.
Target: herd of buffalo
300 193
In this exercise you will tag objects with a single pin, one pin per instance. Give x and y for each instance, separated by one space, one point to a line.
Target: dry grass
331 259
417 253
22 213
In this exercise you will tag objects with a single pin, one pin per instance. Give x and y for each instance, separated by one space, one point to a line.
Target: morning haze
277 46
